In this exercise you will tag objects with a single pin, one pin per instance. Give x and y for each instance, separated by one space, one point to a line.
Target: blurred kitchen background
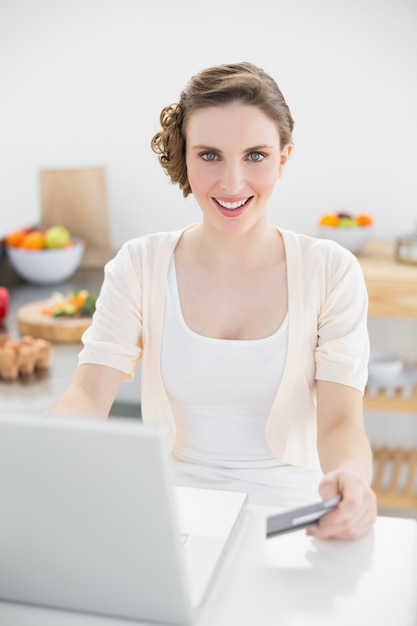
83 83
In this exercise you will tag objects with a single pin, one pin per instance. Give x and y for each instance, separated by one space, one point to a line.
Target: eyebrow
212 149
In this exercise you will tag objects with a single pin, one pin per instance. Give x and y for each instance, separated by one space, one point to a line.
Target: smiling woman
234 158
253 338
214 87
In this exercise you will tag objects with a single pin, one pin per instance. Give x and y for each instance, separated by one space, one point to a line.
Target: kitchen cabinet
392 290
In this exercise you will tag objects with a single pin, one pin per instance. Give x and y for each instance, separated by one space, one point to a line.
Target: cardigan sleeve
115 335
342 351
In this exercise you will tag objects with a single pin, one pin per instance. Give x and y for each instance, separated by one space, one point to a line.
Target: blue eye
256 156
208 156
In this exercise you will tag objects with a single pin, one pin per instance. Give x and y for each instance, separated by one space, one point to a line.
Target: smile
232 206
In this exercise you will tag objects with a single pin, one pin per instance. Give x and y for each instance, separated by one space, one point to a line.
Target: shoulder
146 250
153 242
320 267
306 249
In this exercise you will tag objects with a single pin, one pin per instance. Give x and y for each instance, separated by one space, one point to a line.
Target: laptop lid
89 520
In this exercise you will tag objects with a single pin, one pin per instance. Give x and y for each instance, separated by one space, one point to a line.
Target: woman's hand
356 513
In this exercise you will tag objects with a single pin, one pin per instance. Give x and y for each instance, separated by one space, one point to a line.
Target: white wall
83 82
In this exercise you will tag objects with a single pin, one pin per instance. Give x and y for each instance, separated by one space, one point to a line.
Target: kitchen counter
39 391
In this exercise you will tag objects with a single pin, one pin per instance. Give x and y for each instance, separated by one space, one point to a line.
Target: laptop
90 520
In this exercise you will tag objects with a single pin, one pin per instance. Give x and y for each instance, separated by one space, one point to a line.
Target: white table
293 580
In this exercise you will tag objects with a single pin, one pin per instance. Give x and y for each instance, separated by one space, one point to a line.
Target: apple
4 303
347 222
57 237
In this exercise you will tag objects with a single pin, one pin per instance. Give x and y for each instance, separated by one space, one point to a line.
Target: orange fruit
364 220
15 238
35 240
329 220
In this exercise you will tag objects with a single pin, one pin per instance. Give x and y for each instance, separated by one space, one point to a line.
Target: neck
251 249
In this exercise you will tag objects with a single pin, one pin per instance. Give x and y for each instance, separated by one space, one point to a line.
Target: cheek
264 179
200 177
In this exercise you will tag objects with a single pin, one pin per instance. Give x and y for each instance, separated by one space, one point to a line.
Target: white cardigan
328 338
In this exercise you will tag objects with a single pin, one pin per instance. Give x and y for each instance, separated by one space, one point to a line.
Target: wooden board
31 321
392 285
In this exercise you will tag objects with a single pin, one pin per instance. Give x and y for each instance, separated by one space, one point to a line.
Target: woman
253 339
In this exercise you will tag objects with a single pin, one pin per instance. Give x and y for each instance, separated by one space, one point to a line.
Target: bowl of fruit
352 232
44 256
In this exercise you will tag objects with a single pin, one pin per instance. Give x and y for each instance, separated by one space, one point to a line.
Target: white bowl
385 365
353 238
46 267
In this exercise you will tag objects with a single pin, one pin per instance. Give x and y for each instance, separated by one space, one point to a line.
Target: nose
232 178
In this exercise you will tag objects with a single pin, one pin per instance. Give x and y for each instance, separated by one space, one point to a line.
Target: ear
285 155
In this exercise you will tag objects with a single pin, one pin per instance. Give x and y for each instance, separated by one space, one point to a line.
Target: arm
91 392
346 459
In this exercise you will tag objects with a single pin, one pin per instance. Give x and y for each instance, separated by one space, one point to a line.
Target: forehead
241 123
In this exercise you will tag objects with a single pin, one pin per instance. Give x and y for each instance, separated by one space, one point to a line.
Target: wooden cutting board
31 321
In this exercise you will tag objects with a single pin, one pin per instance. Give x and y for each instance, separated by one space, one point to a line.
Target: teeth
232 205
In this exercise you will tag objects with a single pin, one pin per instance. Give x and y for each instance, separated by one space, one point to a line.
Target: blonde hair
217 86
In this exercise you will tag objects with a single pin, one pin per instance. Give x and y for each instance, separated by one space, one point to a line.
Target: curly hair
216 86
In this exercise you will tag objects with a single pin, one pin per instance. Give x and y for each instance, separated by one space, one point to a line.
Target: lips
233 206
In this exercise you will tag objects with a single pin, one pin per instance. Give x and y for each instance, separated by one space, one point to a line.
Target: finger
348 522
329 486
349 531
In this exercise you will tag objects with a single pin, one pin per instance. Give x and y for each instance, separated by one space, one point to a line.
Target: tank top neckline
172 276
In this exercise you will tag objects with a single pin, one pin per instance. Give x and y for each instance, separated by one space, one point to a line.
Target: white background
83 83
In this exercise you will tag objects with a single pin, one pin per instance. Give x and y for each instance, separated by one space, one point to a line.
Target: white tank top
221 391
